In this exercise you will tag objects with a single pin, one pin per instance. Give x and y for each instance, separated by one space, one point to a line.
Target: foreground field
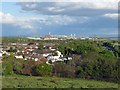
52 82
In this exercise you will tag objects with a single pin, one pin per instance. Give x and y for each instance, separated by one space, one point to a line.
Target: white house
52 49
55 58
69 58
36 59
46 54
19 56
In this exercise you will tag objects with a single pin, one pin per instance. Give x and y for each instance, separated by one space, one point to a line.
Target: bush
18 66
43 69
7 68
100 69
64 70
28 67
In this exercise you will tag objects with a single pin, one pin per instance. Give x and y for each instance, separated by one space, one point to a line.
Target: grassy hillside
52 82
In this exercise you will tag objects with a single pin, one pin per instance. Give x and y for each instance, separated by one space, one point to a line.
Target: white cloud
94 4
6 18
111 15
55 9
35 22
10 19
58 20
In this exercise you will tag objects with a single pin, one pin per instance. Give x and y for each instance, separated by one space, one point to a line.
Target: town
30 51
47 52
62 37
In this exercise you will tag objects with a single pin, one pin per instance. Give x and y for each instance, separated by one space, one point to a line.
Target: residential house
18 56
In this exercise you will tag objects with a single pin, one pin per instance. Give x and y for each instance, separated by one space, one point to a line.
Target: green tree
7 68
40 46
17 67
43 69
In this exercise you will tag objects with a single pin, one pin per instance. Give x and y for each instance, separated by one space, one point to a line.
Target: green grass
52 82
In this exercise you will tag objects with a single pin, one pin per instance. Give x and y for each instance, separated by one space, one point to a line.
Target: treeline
80 67
82 47
11 66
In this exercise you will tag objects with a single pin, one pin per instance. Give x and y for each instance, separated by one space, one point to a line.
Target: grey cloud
69 8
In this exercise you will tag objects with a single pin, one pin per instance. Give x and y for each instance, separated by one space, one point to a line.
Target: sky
80 17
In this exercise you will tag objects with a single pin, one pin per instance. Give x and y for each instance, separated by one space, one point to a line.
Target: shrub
18 66
7 68
43 69
28 67
64 70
